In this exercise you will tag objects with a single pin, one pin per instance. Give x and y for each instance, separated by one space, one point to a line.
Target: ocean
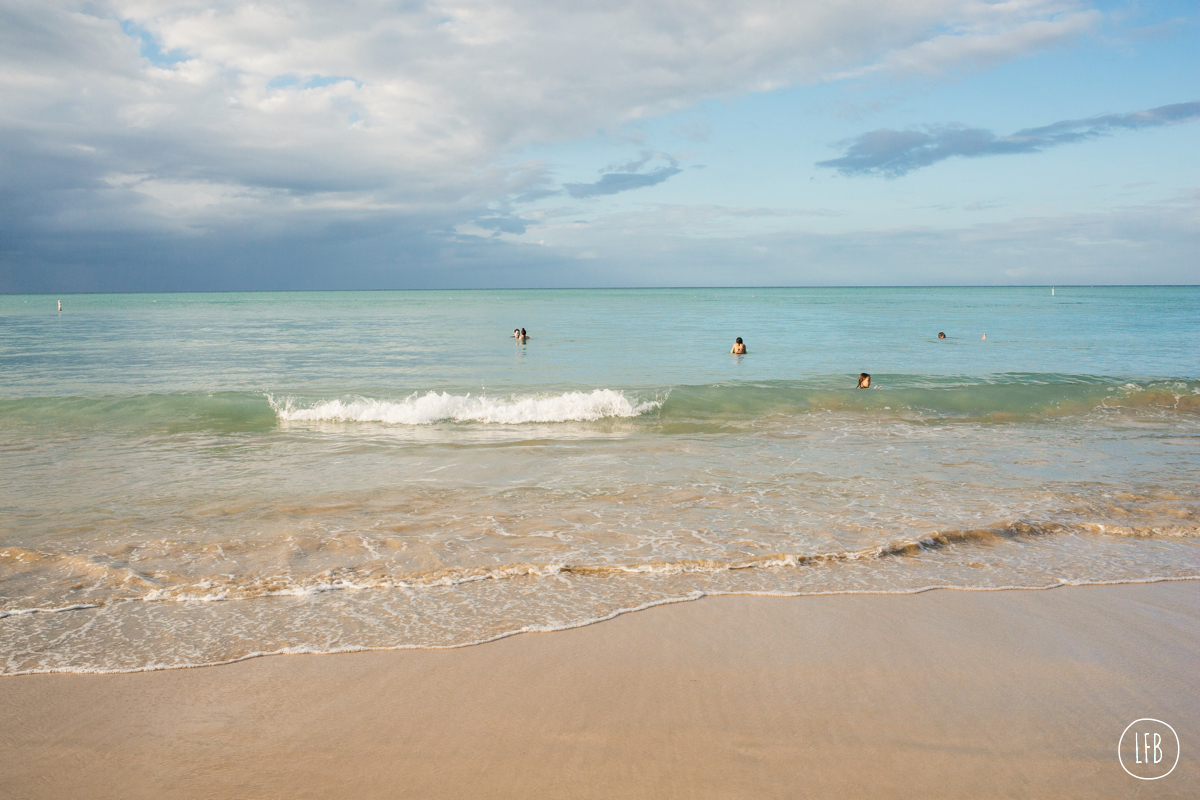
195 479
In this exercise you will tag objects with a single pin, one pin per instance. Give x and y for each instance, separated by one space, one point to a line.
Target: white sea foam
155 666
417 409
12 612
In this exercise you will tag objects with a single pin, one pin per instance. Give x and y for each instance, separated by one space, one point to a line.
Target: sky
370 144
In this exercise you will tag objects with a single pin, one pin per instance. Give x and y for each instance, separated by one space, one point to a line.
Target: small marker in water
60 305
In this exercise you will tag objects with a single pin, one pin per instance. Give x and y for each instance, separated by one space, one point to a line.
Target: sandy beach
941 694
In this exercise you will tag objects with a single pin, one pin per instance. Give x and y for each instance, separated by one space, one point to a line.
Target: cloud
501 224
155 122
1156 242
427 93
986 35
895 153
615 182
644 158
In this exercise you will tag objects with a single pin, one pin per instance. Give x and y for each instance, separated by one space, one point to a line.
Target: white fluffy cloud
196 114
132 127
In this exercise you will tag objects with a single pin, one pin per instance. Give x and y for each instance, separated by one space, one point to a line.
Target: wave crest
431 407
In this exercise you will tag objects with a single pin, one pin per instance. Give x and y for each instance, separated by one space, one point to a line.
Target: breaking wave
998 398
431 407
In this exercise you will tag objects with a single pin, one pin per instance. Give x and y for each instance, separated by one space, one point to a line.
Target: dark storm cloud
620 182
895 153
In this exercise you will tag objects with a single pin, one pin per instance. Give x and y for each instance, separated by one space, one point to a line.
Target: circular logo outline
1121 760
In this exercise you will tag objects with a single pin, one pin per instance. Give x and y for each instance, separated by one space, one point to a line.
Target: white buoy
60 305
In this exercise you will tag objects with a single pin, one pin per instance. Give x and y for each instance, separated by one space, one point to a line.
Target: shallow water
201 478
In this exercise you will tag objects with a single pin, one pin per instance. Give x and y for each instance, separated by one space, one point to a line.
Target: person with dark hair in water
864 380
941 335
738 347
524 335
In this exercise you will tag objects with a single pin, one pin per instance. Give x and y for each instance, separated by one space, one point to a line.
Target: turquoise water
200 478
587 338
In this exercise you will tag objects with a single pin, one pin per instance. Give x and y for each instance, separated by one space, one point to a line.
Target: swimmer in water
985 336
524 335
516 333
941 335
738 347
864 380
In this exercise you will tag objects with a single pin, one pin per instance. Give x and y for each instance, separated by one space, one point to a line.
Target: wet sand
942 694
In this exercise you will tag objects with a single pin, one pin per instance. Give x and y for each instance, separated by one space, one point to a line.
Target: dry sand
943 694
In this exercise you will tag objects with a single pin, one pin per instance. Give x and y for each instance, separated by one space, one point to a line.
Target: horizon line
630 288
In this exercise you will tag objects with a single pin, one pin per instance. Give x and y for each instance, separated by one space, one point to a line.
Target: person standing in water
864 380
738 347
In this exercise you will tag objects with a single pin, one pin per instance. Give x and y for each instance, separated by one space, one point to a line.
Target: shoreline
697 596
990 693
